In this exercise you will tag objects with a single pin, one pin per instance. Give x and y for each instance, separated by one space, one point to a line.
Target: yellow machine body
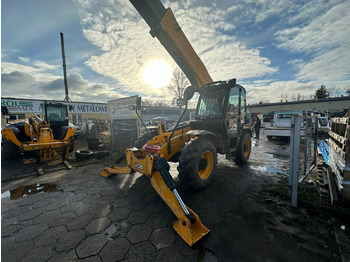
41 139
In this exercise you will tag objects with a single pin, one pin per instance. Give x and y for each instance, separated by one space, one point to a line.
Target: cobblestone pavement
90 218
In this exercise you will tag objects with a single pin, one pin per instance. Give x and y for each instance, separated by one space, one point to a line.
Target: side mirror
189 92
138 103
180 102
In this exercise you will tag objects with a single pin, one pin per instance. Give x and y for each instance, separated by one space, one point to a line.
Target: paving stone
46 217
184 249
62 219
100 211
56 204
8 231
119 213
30 232
53 194
13 252
138 217
71 207
118 229
158 220
84 209
91 246
91 198
39 254
69 240
98 225
15 212
115 250
43 202
79 222
6 205
30 214
137 205
136 196
50 236
144 252
64 256
162 237
77 197
91 259
155 207
7 222
29 200
169 254
121 202
139 233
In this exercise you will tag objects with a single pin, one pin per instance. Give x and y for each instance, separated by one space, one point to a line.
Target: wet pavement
77 215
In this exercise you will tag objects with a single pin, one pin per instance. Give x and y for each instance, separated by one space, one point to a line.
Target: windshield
211 103
56 113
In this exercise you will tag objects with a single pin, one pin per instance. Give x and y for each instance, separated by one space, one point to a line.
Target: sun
157 74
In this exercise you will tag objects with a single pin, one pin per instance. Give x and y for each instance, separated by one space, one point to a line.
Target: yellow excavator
219 127
42 138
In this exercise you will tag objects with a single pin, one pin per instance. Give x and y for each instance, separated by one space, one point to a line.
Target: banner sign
119 108
27 106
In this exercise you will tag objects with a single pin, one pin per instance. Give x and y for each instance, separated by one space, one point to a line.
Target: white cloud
127 46
327 40
273 91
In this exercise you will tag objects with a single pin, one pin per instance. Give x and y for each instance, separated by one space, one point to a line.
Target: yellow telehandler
40 139
219 127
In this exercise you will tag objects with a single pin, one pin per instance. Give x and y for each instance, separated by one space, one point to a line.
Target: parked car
77 129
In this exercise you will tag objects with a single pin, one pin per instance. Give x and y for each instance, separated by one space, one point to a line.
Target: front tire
9 149
243 149
197 163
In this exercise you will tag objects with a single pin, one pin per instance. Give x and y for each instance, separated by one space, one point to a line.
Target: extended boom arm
165 27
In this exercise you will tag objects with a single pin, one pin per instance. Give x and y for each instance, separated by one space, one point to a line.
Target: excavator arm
165 27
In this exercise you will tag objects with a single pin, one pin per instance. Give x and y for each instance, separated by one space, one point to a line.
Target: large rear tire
243 149
197 163
9 149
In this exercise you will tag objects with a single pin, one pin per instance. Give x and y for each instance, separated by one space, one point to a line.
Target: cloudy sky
273 47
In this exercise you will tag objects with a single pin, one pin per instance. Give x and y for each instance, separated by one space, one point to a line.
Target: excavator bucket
190 231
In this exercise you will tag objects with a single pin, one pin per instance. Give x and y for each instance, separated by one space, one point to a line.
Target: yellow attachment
9 135
45 135
108 171
69 133
143 162
190 233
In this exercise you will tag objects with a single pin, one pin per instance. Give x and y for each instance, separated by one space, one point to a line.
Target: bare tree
178 84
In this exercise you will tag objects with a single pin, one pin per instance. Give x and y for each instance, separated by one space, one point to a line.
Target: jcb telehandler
40 139
219 126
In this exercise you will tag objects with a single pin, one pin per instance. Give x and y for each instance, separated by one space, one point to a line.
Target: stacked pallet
339 154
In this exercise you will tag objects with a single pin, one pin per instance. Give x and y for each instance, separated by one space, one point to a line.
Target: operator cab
221 109
57 116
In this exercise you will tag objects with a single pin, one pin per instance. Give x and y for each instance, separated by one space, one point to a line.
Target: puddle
268 169
205 255
110 232
25 191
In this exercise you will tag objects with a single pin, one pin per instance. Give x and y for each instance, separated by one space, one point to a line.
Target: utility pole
64 69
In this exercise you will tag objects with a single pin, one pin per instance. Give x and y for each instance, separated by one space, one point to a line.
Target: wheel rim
205 165
246 148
